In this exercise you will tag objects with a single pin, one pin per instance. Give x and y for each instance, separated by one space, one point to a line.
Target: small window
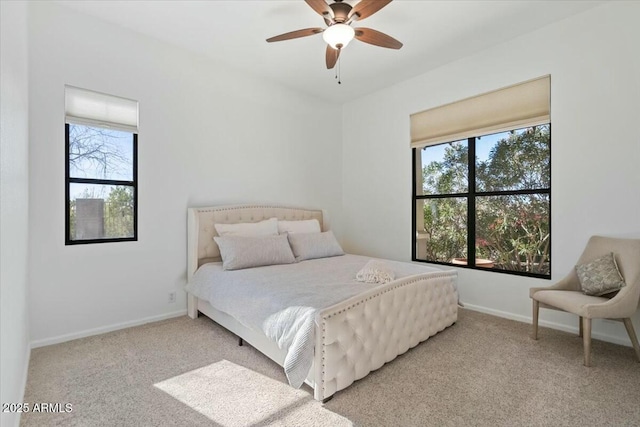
101 168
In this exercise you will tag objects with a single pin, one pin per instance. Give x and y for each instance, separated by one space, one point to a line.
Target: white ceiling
233 32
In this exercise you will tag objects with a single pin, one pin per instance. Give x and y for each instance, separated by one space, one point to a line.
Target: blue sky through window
484 144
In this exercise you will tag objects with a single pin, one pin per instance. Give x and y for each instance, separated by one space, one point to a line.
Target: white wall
594 62
208 135
14 206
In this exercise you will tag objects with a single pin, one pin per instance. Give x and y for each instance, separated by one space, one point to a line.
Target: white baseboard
104 329
547 324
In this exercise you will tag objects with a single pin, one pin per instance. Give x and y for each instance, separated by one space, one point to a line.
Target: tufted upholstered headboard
201 248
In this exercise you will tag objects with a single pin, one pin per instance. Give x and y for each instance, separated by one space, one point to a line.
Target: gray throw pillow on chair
600 276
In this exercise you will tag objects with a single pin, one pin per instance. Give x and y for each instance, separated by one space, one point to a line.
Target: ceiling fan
339 16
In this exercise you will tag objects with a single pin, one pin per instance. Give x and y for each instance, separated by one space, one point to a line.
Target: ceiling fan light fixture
338 35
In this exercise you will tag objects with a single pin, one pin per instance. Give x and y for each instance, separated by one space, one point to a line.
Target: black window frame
471 196
69 180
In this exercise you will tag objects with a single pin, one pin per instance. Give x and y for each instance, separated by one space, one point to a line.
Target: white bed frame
353 337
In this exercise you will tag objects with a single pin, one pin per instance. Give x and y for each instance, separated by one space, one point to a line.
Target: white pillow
314 245
239 252
303 226
268 227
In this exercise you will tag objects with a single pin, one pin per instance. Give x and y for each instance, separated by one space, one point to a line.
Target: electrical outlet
172 297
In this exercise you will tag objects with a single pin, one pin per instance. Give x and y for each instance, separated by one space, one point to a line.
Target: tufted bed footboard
363 333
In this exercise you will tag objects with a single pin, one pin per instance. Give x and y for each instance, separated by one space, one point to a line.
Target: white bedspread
281 300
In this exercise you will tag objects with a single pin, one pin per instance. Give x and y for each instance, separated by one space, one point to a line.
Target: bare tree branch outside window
99 153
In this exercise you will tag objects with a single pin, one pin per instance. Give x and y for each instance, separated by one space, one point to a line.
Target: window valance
521 105
87 107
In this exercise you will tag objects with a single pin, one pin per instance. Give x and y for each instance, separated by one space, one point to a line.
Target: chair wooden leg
632 336
536 309
586 340
581 331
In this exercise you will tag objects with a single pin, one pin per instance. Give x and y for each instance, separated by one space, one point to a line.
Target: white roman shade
521 105
87 107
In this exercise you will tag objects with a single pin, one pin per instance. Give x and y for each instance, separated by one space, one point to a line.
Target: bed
351 337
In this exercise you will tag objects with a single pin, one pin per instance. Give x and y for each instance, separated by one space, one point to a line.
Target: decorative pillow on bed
268 227
239 252
600 276
303 226
314 245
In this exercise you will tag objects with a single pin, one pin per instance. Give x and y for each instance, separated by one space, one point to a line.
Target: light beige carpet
483 371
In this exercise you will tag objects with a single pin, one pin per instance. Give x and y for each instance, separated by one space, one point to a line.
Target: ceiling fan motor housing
340 11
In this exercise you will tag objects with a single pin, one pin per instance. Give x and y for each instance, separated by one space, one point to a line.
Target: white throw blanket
376 271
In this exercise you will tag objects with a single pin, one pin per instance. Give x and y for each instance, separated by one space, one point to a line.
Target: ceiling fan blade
366 8
331 57
321 7
295 34
377 38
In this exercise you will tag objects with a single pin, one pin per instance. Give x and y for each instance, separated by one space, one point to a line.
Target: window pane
441 227
100 153
100 211
515 160
513 232
445 168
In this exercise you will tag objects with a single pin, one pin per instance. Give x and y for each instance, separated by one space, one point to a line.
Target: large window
485 202
482 181
101 168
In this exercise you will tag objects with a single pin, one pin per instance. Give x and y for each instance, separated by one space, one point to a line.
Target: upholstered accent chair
567 295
